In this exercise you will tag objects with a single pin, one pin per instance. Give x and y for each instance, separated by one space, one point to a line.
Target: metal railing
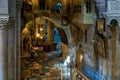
80 72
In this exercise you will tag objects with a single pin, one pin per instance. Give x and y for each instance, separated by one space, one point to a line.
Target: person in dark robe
32 53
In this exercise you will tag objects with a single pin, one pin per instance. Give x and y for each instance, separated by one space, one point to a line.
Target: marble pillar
17 39
3 47
3 54
7 48
11 53
113 73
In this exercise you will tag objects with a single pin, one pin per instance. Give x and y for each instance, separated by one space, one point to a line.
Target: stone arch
61 31
63 34
63 37
113 19
48 18
114 22
114 27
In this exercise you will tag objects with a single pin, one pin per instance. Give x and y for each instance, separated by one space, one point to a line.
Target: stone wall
88 48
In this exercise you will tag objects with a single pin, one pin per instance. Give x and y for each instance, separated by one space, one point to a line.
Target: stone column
7 48
114 55
3 53
50 32
109 75
11 50
105 67
18 40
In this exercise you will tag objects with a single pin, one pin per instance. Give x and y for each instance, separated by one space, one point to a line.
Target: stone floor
41 67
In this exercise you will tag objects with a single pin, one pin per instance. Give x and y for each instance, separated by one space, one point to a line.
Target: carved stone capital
6 21
3 19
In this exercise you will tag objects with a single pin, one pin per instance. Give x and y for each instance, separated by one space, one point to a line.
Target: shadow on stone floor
39 66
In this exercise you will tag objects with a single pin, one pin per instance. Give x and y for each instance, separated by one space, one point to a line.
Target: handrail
84 76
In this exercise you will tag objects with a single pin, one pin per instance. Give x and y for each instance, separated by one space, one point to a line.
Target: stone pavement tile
43 64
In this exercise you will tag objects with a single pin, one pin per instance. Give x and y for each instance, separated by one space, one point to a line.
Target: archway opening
34 31
43 34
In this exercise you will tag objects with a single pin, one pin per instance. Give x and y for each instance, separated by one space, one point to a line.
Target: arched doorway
41 23
34 28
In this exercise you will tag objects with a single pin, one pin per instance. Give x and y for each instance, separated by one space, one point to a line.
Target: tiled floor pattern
40 68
